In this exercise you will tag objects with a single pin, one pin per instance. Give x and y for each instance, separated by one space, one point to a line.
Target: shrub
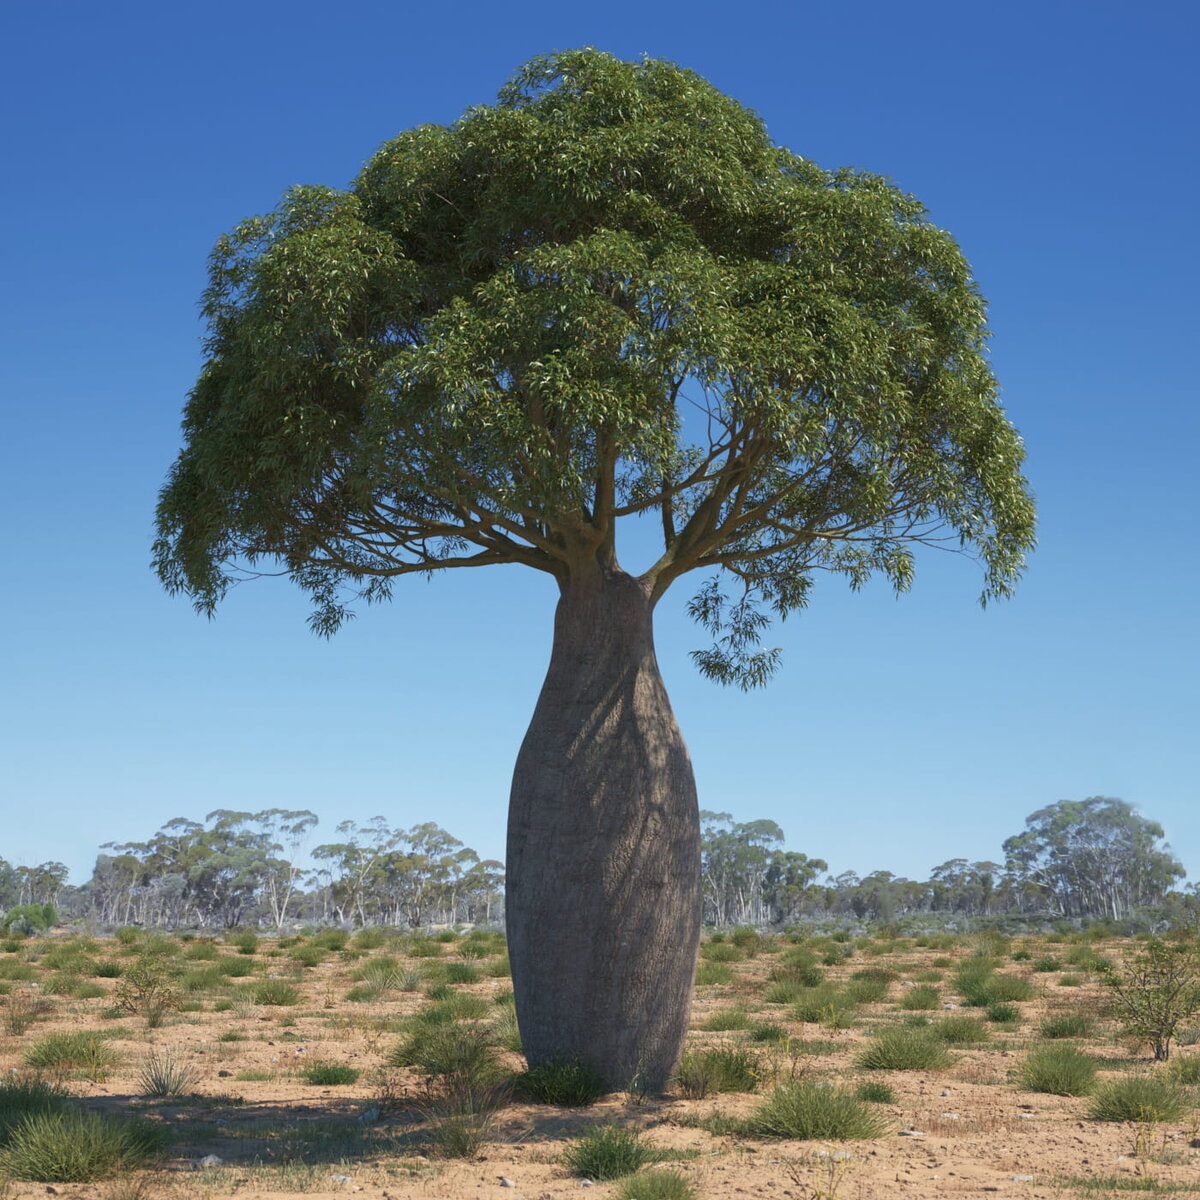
725 1019
20 1098
1157 992
1057 1070
808 1110
1185 1071
22 1008
875 1093
766 1031
655 1185
1008 988
723 1069
903 1050
326 1074
308 955
273 992
1065 1025
449 1050
721 952
1002 1014
84 1051
709 973
607 1152
568 1082
505 1032
453 1007
146 989
801 974
957 1030
818 1004
162 1074
461 1113
79 1147
921 998
461 972
245 941
1046 964
866 991
336 939
1140 1098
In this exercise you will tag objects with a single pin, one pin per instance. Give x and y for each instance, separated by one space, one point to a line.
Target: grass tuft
1058 1071
809 1110
607 1152
1140 1098
904 1049
566 1082
79 1147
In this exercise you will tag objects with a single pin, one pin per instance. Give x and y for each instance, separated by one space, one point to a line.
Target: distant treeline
1094 859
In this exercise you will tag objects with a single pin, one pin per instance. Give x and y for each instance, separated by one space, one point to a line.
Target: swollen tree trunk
603 884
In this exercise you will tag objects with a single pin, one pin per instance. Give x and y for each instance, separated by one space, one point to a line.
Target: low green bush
80 1147
807 1110
567 1082
875 1093
1058 1071
725 1019
904 1049
449 1050
273 992
1141 1098
608 1152
1065 1025
84 1050
959 1030
655 1185
921 998
327 1074
719 1069
709 974
21 1098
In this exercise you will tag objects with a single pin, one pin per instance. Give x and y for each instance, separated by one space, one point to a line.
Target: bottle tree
609 295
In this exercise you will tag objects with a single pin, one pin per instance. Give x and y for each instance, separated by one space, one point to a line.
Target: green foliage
461 972
903 1049
1002 1014
710 973
29 918
273 992
20 1098
655 1185
326 1074
1141 1098
819 1004
766 1031
720 952
80 1147
607 1152
475 355
461 1113
809 1110
720 1069
161 1074
1157 992
84 1051
725 1019
1058 1070
959 1030
1066 1025
875 1092
447 1050
245 941
921 998
146 989
569 1083
1185 1071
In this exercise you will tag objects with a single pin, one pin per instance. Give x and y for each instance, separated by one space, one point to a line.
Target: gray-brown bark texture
603 881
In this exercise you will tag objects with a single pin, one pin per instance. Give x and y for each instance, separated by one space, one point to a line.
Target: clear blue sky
1055 140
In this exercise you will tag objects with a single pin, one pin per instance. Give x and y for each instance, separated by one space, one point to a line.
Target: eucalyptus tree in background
608 296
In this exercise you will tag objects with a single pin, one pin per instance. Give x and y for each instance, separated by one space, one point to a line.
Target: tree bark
603 893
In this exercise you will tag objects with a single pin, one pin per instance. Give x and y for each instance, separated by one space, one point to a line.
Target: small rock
1021 1178
210 1160
224 1074
949 1116
372 1114
1024 1116
586 1183
506 1182
945 1091
949 1006
340 1179
911 1133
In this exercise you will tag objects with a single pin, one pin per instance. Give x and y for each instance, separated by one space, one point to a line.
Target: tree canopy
608 295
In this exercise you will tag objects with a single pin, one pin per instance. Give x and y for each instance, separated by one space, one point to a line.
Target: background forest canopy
1096 859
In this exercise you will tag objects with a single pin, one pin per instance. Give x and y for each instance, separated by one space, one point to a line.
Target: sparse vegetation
813 1110
1058 1070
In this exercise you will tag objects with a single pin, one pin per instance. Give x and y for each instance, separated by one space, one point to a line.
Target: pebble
210 1160
1021 1178
340 1179
910 1133
945 1091
372 1114
949 1116
506 1182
